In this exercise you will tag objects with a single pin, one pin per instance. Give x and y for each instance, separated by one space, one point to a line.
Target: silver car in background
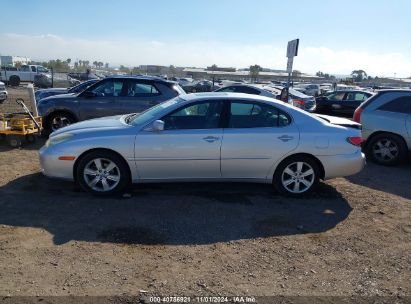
386 126
206 137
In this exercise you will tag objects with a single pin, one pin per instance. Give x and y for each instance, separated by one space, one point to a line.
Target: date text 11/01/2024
202 299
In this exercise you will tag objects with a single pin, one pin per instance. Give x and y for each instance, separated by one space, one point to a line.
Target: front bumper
51 166
342 165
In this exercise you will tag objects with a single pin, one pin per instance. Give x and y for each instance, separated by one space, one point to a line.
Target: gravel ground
349 238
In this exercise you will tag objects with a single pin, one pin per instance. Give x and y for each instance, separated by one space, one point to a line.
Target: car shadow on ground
167 214
394 180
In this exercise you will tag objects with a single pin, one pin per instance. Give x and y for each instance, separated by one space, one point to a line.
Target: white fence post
32 97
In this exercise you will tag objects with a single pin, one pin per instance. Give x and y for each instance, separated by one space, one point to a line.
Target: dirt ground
349 238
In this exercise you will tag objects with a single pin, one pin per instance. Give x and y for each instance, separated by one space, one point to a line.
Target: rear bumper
342 165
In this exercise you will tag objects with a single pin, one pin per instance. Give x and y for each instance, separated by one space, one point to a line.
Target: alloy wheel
101 174
60 121
385 150
298 177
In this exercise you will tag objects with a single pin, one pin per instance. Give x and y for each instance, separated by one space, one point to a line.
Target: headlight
58 139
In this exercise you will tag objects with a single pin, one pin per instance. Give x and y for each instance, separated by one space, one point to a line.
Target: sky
336 37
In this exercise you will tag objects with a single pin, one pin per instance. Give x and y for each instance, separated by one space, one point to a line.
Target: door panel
258 135
251 152
178 154
408 125
107 100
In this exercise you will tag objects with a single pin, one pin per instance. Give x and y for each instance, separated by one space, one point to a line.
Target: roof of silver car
222 95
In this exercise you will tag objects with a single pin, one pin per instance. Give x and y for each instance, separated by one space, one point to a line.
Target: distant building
12 60
153 69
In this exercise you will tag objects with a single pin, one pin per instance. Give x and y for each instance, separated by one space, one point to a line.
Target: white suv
3 92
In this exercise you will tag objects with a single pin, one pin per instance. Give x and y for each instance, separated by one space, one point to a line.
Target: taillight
299 101
357 114
355 140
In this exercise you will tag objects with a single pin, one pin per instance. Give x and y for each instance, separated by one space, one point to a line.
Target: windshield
149 114
40 69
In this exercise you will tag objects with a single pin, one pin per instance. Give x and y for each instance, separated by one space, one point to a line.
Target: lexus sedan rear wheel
296 176
102 173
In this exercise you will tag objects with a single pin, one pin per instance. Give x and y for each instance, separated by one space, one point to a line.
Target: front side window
141 89
110 88
256 115
399 105
336 96
33 68
202 115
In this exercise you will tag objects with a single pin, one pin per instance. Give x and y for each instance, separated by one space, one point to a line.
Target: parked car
297 99
341 102
3 92
198 86
248 89
84 76
386 126
43 93
206 137
308 89
25 73
110 96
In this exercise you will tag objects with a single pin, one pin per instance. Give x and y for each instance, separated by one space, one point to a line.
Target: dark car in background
43 93
110 96
341 102
199 86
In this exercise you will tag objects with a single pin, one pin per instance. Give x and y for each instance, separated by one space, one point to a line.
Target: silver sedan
206 137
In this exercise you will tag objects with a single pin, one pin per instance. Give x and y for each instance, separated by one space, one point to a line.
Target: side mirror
158 125
88 94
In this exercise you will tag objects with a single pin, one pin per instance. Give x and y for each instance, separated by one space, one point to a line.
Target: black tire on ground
14 80
305 183
58 120
30 138
386 149
121 170
14 141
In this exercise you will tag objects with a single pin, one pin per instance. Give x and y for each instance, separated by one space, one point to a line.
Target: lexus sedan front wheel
102 173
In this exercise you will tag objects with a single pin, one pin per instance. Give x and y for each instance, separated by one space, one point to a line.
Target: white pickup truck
26 73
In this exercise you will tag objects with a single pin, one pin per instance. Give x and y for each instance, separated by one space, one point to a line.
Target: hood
58 97
51 90
100 124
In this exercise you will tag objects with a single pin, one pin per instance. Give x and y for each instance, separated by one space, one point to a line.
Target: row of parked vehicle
168 135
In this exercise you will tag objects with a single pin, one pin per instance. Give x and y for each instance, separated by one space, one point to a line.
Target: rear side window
141 89
256 115
246 90
399 105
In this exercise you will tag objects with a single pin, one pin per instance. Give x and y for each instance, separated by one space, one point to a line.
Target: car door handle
285 138
211 138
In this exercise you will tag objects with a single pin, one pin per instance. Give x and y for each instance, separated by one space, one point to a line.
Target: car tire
92 176
14 141
14 81
296 176
59 120
386 149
